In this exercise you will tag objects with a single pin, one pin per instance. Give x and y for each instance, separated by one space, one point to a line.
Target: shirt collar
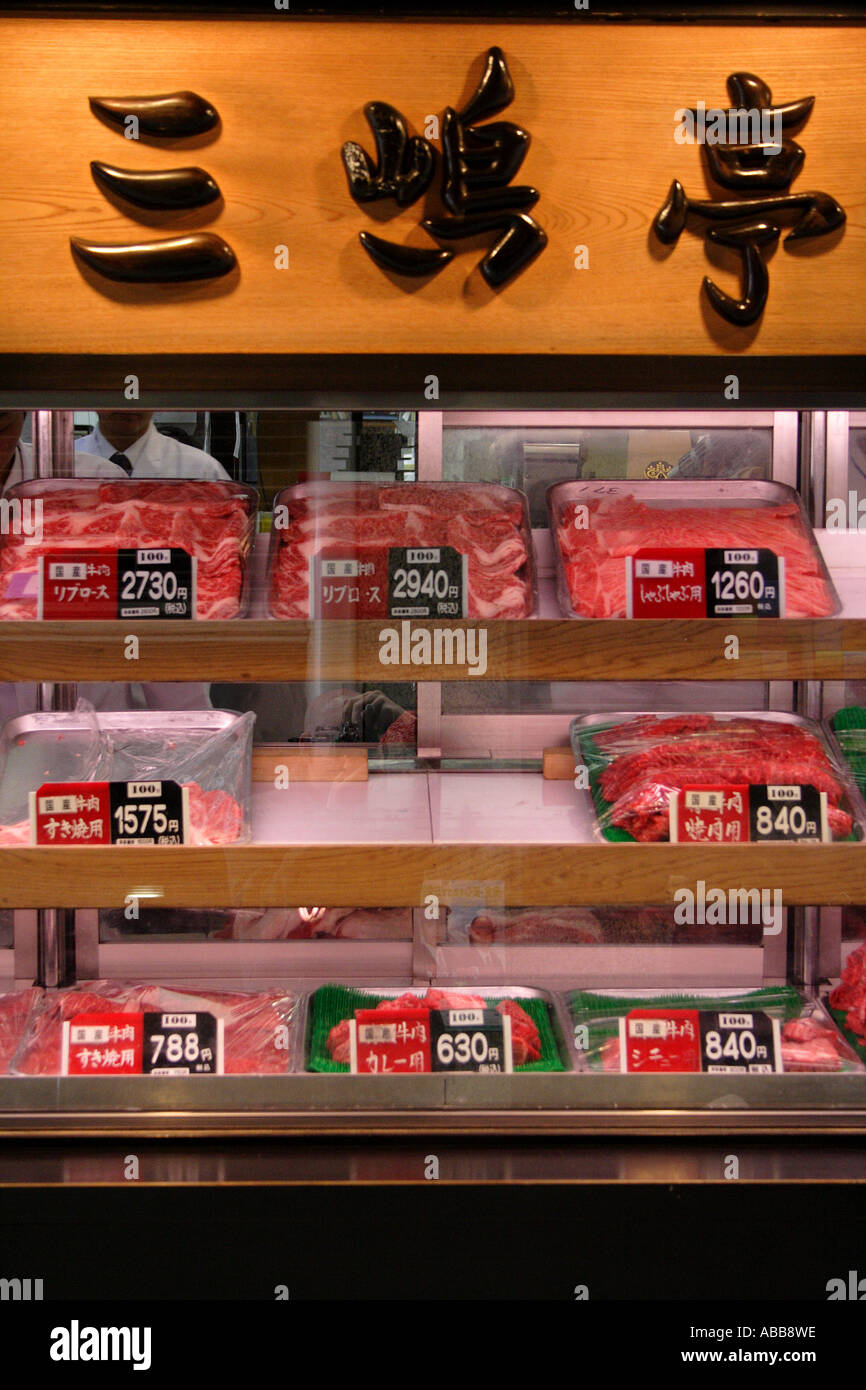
134 453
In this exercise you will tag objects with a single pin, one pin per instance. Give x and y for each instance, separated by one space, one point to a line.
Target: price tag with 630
476 1040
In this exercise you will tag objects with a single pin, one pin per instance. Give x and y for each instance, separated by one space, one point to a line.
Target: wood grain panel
546 649
401 875
599 102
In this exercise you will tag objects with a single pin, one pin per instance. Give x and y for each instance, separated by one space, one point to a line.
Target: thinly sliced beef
593 556
215 818
482 521
255 1036
212 521
651 756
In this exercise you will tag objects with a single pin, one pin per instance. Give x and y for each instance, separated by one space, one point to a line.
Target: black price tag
745 583
148 813
787 813
426 583
179 1044
470 1040
155 584
739 1042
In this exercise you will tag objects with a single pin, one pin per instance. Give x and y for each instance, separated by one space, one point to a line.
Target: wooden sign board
600 104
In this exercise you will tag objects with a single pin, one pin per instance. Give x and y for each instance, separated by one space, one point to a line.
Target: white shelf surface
388 808
418 808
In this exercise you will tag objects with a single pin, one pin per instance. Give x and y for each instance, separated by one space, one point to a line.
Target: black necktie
123 461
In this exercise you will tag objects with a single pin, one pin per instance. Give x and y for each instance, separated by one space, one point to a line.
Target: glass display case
433 645
449 797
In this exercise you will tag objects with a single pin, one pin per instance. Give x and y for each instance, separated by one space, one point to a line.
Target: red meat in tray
485 522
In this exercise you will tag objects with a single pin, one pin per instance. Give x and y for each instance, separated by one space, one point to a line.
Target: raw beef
525 1039
15 1010
850 993
593 555
651 756
215 818
213 521
255 1037
805 1045
342 521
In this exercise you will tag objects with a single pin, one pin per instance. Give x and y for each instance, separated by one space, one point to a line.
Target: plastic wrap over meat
207 751
636 764
809 1040
594 535
257 1037
16 1008
525 1038
849 996
486 522
213 521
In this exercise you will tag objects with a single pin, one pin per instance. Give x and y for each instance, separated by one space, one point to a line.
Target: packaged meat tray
214 522
635 762
809 1041
537 1038
207 751
847 1002
16 1009
332 545
849 729
258 1025
598 528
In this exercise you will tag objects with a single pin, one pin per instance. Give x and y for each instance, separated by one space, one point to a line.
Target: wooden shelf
389 874
537 649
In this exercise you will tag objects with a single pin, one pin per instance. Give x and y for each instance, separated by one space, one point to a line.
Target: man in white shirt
16 459
16 465
130 439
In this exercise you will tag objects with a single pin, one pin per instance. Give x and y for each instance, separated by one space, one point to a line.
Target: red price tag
666 1040
710 815
78 584
344 584
103 1045
71 813
390 1044
668 582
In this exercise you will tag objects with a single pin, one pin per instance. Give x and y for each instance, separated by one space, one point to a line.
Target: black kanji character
752 164
404 167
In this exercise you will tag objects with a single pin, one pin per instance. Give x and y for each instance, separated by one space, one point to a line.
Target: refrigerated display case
467 853
414 839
